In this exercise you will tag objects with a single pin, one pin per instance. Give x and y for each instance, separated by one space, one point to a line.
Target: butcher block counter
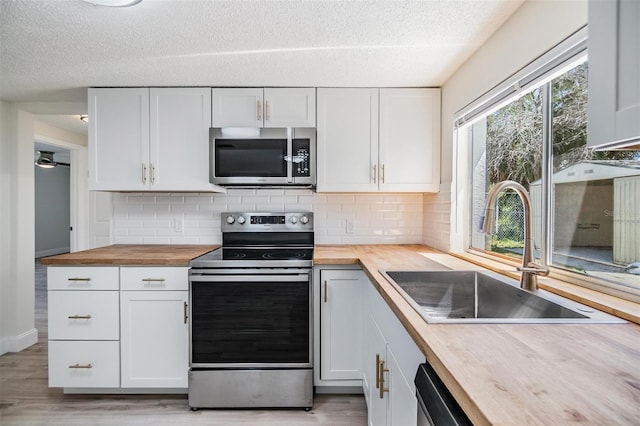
133 254
513 374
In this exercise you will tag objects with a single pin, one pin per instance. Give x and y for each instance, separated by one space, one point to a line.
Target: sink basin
484 297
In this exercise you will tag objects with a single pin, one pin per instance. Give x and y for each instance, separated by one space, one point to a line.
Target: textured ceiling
52 50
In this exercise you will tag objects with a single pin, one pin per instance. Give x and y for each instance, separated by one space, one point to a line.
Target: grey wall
51 211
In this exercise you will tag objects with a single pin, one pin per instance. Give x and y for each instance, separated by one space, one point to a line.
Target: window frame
539 73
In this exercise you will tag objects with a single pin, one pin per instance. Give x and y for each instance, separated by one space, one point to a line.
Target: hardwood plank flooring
26 399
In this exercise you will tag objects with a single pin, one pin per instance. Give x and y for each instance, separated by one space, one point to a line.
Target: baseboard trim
51 252
19 342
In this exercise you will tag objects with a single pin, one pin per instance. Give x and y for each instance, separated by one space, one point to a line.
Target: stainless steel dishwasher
436 405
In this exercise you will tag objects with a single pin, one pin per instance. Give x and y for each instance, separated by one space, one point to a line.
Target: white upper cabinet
614 73
409 156
347 136
372 140
268 107
179 147
149 139
118 139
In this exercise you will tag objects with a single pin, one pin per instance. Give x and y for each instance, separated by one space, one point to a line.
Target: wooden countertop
133 254
513 374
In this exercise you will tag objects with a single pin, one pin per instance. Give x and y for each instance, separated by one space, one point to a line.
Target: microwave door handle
289 156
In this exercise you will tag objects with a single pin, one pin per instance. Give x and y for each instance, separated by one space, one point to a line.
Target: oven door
250 318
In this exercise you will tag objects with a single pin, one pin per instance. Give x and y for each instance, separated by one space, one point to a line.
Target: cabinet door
289 107
118 139
614 70
341 324
154 339
347 135
376 350
409 140
403 405
237 107
179 139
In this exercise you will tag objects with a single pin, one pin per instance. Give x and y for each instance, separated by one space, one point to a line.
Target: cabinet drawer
84 315
84 364
154 278
82 278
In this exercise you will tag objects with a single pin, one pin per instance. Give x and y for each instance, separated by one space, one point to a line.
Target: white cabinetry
385 140
341 299
390 362
118 139
154 327
149 139
83 327
268 107
118 327
614 73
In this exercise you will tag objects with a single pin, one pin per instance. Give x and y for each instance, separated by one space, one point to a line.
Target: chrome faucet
530 270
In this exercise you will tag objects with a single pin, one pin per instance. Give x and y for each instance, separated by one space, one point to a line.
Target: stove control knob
241 220
304 220
230 220
294 219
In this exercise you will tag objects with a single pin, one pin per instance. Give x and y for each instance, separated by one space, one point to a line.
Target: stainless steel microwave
263 157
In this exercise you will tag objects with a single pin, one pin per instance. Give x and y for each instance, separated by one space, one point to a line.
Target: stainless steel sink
485 297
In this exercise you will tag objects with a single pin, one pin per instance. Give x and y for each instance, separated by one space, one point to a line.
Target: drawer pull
81 366
78 279
79 317
153 280
381 371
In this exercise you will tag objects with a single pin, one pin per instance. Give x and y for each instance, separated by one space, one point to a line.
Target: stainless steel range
251 317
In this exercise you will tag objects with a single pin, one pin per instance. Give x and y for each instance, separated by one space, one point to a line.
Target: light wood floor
26 399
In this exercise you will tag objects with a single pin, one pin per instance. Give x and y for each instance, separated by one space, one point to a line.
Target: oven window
250 157
250 322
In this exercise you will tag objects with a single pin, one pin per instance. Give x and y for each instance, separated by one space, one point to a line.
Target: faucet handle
534 268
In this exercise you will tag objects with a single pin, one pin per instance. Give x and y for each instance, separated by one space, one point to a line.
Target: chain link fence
510 218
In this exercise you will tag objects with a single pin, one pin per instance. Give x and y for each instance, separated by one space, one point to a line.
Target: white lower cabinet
118 327
84 347
342 325
154 339
391 359
84 364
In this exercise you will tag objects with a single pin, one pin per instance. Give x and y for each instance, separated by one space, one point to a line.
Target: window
586 203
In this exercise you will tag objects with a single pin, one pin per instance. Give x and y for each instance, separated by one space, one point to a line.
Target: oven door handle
250 278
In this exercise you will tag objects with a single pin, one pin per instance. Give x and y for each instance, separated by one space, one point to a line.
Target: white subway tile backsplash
376 218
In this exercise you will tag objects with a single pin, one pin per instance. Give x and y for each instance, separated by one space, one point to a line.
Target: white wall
16 230
377 218
52 210
534 28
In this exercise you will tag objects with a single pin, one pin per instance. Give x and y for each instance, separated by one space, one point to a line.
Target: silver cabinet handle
79 317
153 280
144 173
267 113
383 173
375 172
81 366
259 110
78 279
153 173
